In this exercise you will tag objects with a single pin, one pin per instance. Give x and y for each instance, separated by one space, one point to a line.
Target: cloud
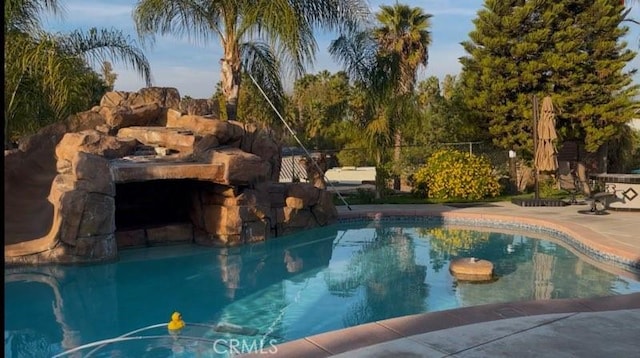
79 15
93 10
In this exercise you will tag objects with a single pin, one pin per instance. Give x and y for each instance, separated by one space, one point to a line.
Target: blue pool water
253 297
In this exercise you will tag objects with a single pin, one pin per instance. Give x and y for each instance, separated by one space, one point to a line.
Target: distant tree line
49 76
571 50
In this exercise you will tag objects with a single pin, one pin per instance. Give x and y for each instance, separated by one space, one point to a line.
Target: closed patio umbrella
545 154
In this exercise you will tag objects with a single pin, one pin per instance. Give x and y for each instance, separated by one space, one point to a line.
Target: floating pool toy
176 323
471 269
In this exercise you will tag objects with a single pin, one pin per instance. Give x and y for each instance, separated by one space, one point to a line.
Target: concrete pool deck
588 327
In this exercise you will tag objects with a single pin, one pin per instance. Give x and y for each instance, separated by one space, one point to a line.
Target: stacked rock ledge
68 179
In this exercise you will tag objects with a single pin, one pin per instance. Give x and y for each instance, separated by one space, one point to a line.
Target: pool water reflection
283 289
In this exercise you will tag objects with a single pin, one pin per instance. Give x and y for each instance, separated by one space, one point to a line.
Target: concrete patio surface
581 334
593 327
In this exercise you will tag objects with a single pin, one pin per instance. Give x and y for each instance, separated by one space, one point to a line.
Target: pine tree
570 49
596 95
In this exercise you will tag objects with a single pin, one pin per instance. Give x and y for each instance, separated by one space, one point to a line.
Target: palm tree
48 76
257 36
387 58
403 39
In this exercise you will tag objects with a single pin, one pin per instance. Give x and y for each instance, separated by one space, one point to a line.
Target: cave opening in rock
153 203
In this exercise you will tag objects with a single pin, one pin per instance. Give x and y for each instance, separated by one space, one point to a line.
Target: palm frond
259 61
195 20
287 31
40 81
379 132
356 52
97 46
24 15
334 15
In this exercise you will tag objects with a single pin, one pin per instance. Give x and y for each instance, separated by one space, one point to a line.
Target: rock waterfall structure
145 168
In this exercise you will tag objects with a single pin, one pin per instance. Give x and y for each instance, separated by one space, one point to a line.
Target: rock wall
61 184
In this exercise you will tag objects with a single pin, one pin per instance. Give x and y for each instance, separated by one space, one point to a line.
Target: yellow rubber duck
176 323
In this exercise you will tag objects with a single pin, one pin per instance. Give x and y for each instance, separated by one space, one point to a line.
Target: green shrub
365 196
451 174
547 187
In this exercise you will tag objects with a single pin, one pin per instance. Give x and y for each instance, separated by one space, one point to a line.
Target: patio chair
569 181
598 200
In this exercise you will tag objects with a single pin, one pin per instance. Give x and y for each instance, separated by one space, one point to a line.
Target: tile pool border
584 240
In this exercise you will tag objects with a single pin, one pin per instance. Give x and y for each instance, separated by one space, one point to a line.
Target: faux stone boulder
226 216
200 107
92 173
47 185
250 197
139 115
260 142
88 119
305 207
214 133
226 132
324 212
301 195
183 141
148 106
240 168
94 142
83 196
230 225
165 97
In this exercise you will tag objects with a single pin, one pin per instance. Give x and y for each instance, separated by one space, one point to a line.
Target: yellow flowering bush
452 174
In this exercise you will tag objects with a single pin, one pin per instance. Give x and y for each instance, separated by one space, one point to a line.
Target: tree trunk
380 181
583 178
230 75
603 158
396 159
8 113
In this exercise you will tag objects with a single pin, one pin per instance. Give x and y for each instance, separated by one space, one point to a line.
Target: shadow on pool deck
594 327
598 327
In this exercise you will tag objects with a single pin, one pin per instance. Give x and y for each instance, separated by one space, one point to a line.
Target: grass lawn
364 197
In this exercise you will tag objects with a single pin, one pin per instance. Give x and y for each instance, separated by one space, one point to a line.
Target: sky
192 67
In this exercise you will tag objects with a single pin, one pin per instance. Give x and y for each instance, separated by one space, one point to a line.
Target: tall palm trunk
397 138
230 75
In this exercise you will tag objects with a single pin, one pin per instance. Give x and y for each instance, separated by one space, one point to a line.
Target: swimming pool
253 297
